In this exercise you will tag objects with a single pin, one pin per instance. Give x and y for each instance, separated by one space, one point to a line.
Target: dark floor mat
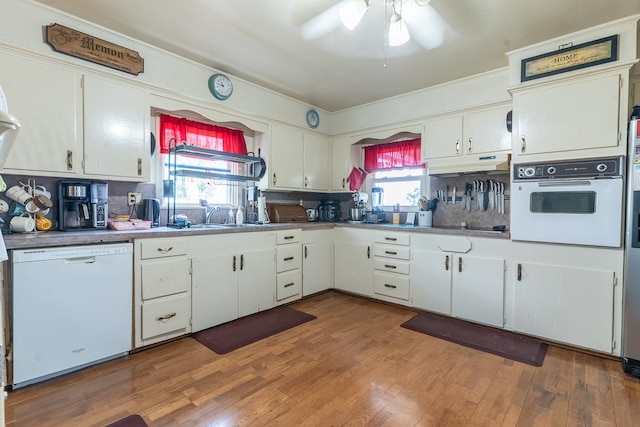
495 341
130 421
246 330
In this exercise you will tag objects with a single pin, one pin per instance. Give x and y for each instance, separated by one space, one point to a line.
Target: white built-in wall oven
578 202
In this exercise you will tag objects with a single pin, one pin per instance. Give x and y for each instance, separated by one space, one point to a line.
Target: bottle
231 216
240 216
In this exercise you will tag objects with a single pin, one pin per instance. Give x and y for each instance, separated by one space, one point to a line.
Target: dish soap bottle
232 217
240 216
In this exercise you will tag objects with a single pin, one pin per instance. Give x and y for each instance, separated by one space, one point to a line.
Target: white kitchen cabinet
392 253
567 116
297 160
46 99
234 275
476 132
353 261
344 157
317 268
162 290
566 304
431 274
288 266
116 128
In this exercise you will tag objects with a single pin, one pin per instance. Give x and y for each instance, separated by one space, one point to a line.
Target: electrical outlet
134 199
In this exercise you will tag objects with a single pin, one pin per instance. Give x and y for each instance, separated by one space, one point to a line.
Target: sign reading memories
74 43
571 58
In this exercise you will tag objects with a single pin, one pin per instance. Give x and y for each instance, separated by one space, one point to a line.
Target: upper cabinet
344 156
74 125
476 132
576 114
296 160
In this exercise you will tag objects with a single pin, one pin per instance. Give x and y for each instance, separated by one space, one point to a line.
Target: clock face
313 119
220 86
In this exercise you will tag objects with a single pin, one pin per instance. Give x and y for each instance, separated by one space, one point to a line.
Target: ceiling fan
393 22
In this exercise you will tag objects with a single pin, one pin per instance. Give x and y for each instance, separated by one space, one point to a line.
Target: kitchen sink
200 226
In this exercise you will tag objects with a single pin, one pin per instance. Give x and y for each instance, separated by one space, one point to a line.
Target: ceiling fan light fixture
351 13
398 31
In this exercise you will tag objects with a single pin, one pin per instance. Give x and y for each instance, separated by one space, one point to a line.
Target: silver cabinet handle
519 276
289 285
386 285
242 262
391 252
275 179
234 263
446 263
165 250
344 182
523 143
469 146
306 252
391 239
458 146
139 166
288 237
306 182
390 266
69 160
460 265
368 251
165 317
289 258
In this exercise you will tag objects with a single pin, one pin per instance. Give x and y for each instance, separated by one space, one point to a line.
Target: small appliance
329 211
251 200
312 214
151 211
82 205
377 214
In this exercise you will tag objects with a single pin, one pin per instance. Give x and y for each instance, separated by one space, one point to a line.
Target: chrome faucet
210 211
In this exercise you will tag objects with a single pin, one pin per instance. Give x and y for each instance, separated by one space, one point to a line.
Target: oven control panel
589 168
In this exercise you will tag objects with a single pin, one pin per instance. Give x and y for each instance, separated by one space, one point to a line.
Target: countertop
65 238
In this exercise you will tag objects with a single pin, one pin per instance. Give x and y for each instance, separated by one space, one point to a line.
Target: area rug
130 421
495 341
247 330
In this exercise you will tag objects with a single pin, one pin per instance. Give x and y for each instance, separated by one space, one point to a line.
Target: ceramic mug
22 224
19 195
16 209
43 223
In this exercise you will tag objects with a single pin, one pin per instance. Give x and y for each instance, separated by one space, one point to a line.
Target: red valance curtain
400 154
201 135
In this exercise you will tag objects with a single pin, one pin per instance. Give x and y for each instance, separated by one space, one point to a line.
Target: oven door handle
563 183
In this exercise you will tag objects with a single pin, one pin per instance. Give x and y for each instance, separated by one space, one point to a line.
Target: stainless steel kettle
152 211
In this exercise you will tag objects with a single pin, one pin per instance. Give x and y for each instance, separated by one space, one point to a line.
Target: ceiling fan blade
320 24
426 26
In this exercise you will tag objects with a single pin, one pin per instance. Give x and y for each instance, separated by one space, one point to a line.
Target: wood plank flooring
354 365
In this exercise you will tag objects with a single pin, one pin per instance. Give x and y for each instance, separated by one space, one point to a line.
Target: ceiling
300 48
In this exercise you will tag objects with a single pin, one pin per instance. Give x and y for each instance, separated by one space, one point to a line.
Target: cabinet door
214 291
316 162
287 154
257 281
442 138
572 305
478 289
353 267
340 163
577 115
165 277
431 281
316 267
486 131
116 119
46 100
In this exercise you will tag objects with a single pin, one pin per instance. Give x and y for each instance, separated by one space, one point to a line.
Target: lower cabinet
353 266
288 266
162 290
214 291
431 281
317 268
567 304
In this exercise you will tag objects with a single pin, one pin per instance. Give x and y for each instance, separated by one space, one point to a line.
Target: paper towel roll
263 216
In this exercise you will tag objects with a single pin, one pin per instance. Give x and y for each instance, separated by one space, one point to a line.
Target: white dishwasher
71 307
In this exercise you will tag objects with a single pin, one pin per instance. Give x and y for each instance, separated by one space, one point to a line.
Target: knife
490 186
454 195
446 196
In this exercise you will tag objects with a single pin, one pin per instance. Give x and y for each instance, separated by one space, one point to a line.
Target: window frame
424 182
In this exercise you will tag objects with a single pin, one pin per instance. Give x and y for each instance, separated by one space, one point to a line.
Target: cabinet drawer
163 316
391 285
391 266
160 248
403 239
288 236
166 277
288 257
288 284
389 251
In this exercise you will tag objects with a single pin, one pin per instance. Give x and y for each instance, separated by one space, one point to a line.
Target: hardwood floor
354 365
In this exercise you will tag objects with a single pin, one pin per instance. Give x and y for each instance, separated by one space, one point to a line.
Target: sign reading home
74 43
571 58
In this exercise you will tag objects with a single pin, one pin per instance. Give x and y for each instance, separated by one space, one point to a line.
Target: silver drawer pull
391 252
289 258
165 251
386 285
288 237
389 266
165 317
391 239
289 285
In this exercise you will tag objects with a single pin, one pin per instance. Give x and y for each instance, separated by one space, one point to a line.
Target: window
198 190
396 167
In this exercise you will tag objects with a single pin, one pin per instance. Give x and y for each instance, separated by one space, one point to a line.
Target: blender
377 213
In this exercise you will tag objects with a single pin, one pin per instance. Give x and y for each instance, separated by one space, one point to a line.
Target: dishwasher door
70 307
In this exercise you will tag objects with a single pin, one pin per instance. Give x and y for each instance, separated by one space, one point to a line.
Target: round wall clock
220 86
313 119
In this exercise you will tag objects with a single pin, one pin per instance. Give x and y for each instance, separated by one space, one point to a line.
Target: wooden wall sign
571 58
74 43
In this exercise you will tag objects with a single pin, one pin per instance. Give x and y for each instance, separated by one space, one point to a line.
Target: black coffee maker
329 211
82 205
